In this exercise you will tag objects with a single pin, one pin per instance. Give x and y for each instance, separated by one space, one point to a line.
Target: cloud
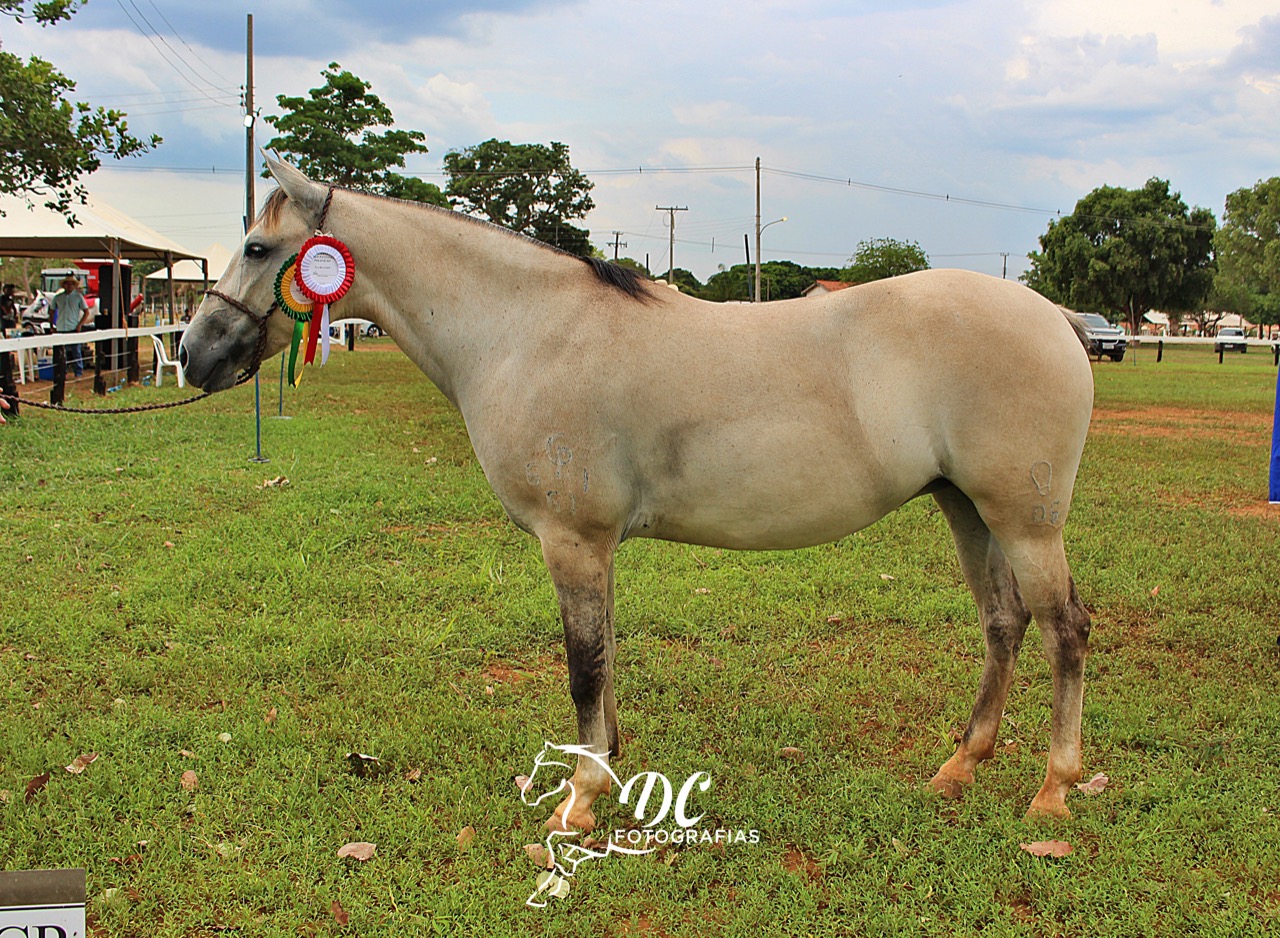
289 27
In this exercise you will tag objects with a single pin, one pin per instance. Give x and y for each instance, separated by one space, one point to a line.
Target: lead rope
248 373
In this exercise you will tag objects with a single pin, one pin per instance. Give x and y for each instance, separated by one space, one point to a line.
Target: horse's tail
1077 323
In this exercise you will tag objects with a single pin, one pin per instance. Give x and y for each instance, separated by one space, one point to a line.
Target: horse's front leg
582 572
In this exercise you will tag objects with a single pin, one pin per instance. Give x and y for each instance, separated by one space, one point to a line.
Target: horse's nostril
182 355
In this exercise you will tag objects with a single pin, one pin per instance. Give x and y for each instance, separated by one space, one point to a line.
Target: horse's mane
629 281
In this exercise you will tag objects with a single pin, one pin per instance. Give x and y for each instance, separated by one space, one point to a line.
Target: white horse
601 408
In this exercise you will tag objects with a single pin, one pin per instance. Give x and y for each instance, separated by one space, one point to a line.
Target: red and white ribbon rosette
324 274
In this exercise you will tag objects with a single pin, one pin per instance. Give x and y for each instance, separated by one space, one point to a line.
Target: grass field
164 609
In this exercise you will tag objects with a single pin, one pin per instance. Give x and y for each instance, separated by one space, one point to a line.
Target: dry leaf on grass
37 783
465 837
1047 848
271 716
364 765
523 782
340 915
189 781
1095 785
413 775
80 762
792 753
540 856
277 482
553 884
359 850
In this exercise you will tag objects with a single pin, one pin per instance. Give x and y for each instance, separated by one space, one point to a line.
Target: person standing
8 309
71 312
8 323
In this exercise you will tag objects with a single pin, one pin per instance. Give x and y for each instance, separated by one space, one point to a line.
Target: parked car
1104 338
1231 339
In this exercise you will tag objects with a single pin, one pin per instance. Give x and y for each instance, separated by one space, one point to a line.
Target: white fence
28 346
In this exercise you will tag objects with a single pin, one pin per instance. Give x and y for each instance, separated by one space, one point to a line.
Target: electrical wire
162 55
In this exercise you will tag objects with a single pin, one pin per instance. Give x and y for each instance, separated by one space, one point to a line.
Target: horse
602 407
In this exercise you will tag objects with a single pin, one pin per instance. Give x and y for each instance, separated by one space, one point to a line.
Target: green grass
155 597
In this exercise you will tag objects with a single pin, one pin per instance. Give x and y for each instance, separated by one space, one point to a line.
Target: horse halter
264 318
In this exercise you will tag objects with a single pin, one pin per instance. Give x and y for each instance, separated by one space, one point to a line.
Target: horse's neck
458 297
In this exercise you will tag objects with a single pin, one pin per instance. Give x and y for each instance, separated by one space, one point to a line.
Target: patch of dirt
797 861
1182 423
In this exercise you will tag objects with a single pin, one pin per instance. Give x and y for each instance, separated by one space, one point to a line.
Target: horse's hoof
583 821
950 786
1047 808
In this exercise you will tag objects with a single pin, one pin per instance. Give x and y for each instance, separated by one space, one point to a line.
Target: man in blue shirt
71 313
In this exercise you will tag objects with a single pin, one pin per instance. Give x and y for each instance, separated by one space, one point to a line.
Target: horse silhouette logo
563 851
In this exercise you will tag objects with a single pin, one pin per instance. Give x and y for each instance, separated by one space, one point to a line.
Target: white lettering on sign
42 921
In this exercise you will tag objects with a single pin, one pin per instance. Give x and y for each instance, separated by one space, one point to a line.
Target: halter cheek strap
261 320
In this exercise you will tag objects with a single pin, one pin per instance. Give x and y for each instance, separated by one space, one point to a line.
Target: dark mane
631 282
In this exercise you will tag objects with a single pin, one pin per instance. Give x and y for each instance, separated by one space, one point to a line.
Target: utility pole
759 228
671 254
249 201
1004 265
617 243
757 293
249 118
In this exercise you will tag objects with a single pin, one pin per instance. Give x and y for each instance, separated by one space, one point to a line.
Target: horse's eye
255 252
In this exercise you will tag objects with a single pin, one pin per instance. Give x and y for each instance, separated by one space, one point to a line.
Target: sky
963 125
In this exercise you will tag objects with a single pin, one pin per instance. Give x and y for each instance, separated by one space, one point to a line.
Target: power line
162 55
185 43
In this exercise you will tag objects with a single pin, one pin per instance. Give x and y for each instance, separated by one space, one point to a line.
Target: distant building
819 287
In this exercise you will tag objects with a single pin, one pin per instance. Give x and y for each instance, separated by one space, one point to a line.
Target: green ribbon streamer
293 352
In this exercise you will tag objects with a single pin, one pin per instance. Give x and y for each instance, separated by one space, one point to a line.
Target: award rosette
297 307
324 272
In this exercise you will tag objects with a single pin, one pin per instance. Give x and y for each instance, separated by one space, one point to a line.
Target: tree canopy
330 136
531 188
779 280
1124 252
1248 251
879 258
47 144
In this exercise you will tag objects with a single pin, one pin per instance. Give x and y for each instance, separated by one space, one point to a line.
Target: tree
1126 251
329 135
779 280
884 257
47 144
1248 251
527 187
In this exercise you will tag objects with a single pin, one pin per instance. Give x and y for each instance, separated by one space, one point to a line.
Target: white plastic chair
164 361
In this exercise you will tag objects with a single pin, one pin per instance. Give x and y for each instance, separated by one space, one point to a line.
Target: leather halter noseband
263 319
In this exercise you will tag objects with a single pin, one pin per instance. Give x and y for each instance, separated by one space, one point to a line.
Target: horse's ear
306 194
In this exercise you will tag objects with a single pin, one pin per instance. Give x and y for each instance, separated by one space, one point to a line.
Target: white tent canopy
102 231
189 271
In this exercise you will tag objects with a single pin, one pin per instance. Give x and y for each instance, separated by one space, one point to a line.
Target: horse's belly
810 489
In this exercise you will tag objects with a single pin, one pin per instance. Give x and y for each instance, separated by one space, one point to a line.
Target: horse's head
223 337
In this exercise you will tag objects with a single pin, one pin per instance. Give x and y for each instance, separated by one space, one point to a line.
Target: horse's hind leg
1041 568
1004 619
